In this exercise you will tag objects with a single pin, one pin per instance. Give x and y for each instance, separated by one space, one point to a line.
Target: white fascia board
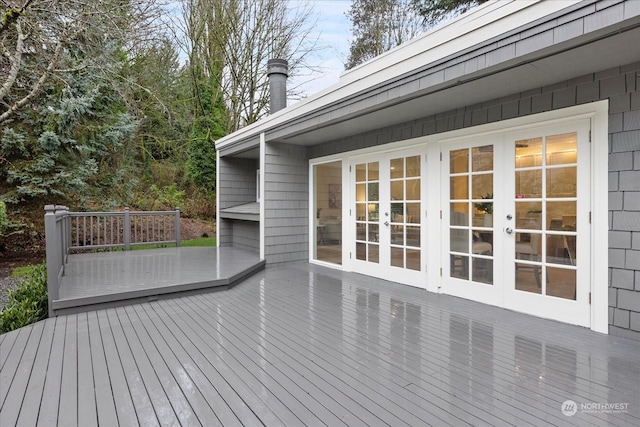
470 29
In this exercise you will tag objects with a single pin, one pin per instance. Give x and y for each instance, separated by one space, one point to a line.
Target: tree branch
12 15
36 88
15 63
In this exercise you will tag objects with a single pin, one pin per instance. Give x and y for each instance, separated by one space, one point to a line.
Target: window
327 228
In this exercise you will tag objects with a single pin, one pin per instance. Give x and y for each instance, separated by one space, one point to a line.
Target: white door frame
596 112
405 276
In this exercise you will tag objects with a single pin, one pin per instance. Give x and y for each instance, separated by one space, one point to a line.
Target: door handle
508 230
386 223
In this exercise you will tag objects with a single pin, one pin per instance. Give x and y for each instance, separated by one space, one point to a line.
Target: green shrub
167 197
23 271
28 303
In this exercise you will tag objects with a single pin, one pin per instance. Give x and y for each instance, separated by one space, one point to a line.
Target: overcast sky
334 31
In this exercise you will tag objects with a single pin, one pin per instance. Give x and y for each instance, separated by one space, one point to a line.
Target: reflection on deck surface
300 344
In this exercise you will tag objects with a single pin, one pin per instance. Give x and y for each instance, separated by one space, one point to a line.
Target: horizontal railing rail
104 230
67 232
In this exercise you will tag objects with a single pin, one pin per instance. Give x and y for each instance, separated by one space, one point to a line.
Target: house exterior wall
246 235
286 203
621 87
236 186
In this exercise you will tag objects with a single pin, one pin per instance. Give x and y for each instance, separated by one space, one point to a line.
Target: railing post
177 227
127 229
52 246
65 235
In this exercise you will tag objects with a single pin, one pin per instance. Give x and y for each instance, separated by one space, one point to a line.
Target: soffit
474 88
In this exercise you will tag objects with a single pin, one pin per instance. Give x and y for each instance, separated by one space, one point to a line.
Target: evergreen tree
208 125
56 149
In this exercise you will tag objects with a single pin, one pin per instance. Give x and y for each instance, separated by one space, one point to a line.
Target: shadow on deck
108 279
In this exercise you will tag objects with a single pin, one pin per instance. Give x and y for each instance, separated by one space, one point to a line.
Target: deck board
300 344
162 406
48 411
309 370
260 359
12 351
125 409
177 377
38 375
16 382
256 396
6 345
105 399
68 407
263 369
87 408
141 400
229 406
208 404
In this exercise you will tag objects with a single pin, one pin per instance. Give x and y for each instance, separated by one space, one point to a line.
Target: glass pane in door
405 207
471 214
368 212
545 209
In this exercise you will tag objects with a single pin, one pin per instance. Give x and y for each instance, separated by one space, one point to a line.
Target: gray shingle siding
246 235
286 203
236 186
619 85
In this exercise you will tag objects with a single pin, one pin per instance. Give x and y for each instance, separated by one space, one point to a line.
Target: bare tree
379 26
232 40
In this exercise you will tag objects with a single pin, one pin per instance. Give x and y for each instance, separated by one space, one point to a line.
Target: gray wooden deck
306 345
98 280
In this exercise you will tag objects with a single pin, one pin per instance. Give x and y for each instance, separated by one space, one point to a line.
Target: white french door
516 220
386 215
546 227
471 199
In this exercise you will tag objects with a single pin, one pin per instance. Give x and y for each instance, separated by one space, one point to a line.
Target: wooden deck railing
67 232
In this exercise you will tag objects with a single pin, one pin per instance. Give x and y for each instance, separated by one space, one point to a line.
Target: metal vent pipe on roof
277 71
